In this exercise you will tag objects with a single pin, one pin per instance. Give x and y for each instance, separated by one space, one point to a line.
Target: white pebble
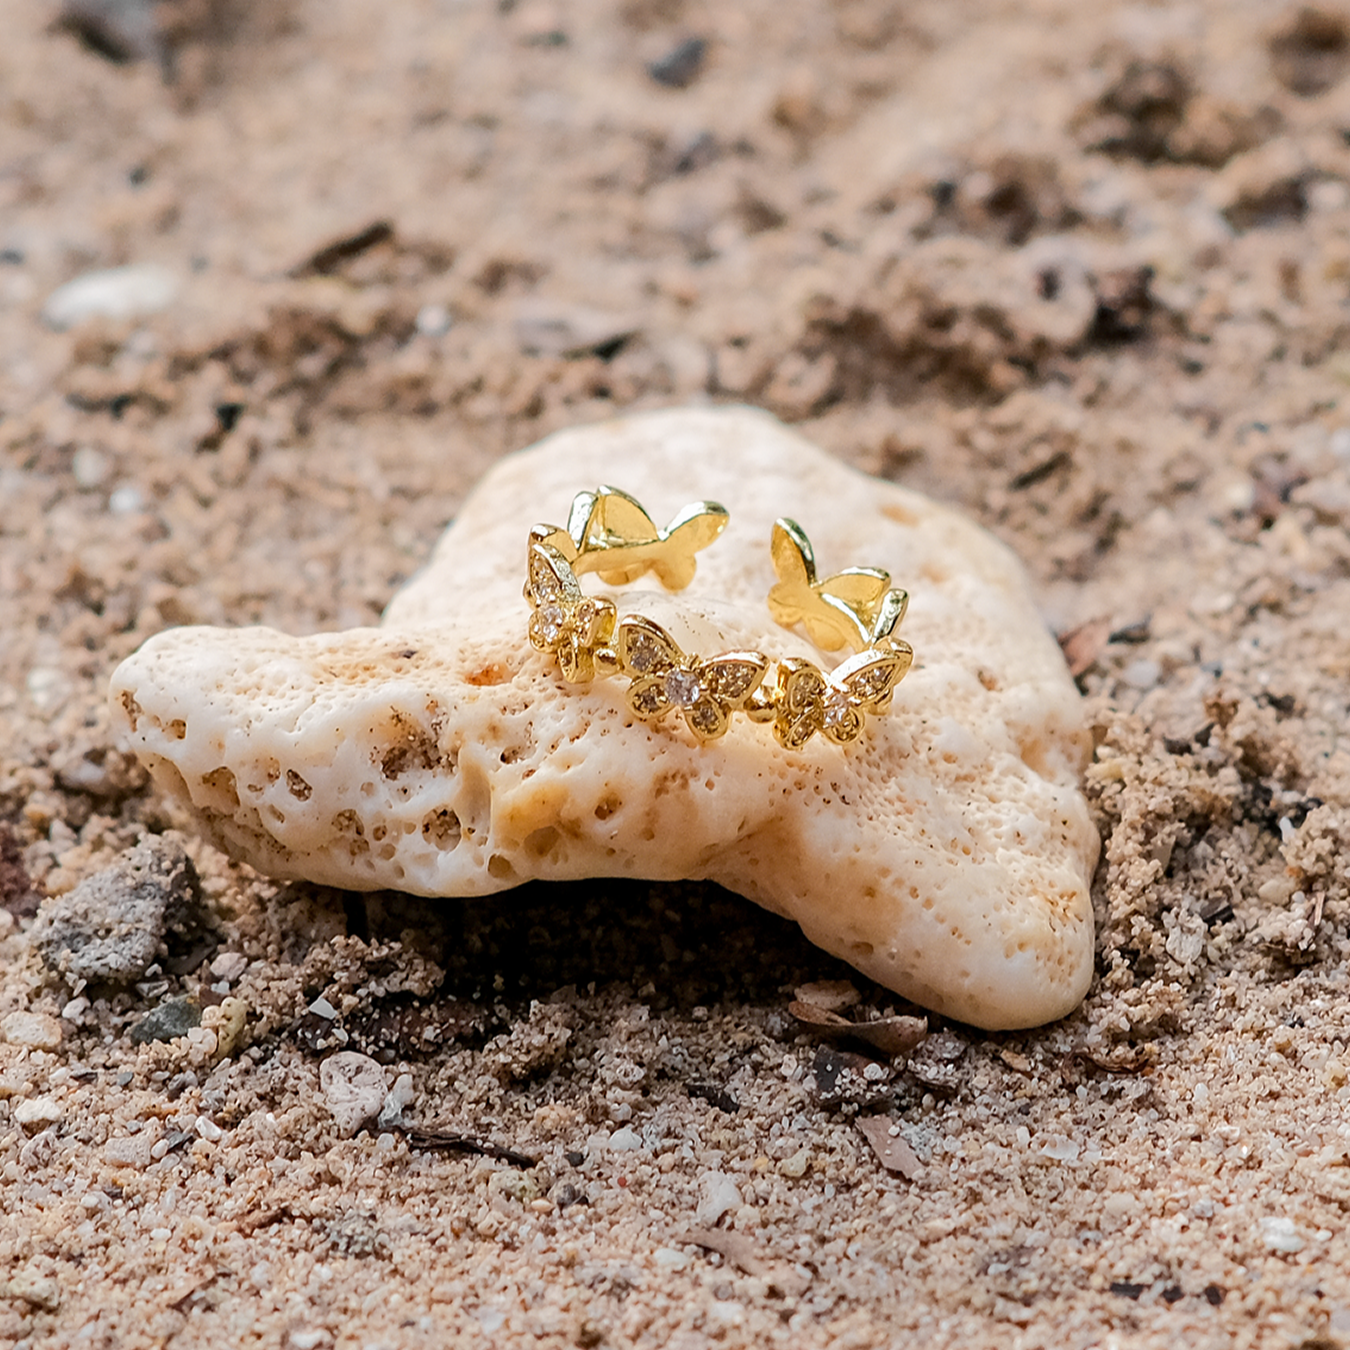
209 1130
718 1195
37 1113
401 1095
433 320
1060 1149
89 466
75 1009
354 1087
115 293
161 1234
1142 674
126 500
229 966
1281 1235
35 1030
136 1151
624 1141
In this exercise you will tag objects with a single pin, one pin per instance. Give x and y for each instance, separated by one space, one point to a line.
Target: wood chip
326 260
892 1150
455 1141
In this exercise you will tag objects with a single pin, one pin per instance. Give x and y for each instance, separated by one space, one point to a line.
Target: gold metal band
610 534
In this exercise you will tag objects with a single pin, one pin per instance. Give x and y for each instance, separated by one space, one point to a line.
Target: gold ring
610 534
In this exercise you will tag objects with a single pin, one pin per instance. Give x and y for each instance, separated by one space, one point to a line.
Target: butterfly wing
648 654
801 709
550 578
794 564
890 614
868 680
860 588
693 529
618 520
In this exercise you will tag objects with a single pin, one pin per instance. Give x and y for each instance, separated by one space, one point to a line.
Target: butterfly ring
610 534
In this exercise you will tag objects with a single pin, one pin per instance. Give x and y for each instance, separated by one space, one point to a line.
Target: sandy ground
1081 269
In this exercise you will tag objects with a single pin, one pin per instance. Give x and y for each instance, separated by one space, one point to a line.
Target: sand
1078 270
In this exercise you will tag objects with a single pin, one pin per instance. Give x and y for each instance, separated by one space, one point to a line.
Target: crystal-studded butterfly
664 678
836 704
566 621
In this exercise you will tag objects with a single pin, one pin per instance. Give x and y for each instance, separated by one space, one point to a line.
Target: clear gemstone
836 709
551 621
683 688
641 654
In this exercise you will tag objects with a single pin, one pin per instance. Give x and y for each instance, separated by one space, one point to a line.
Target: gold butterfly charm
566 621
835 705
664 678
608 532
840 611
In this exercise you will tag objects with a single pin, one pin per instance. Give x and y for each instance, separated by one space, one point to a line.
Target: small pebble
115 293
401 1095
109 927
75 1009
209 1130
126 500
433 321
718 1195
625 1141
173 1018
131 1151
1142 674
354 1087
37 1113
45 1295
794 1168
680 66
229 966
37 1031
1281 1235
89 466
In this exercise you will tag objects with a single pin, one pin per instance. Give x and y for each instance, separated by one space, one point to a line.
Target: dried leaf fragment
892 1150
742 1252
890 1035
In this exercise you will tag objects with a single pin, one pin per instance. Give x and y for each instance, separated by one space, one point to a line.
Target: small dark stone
1214 1295
1126 1289
1173 1294
680 66
179 1084
174 1017
567 1195
111 927
574 1159
228 415
714 1096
